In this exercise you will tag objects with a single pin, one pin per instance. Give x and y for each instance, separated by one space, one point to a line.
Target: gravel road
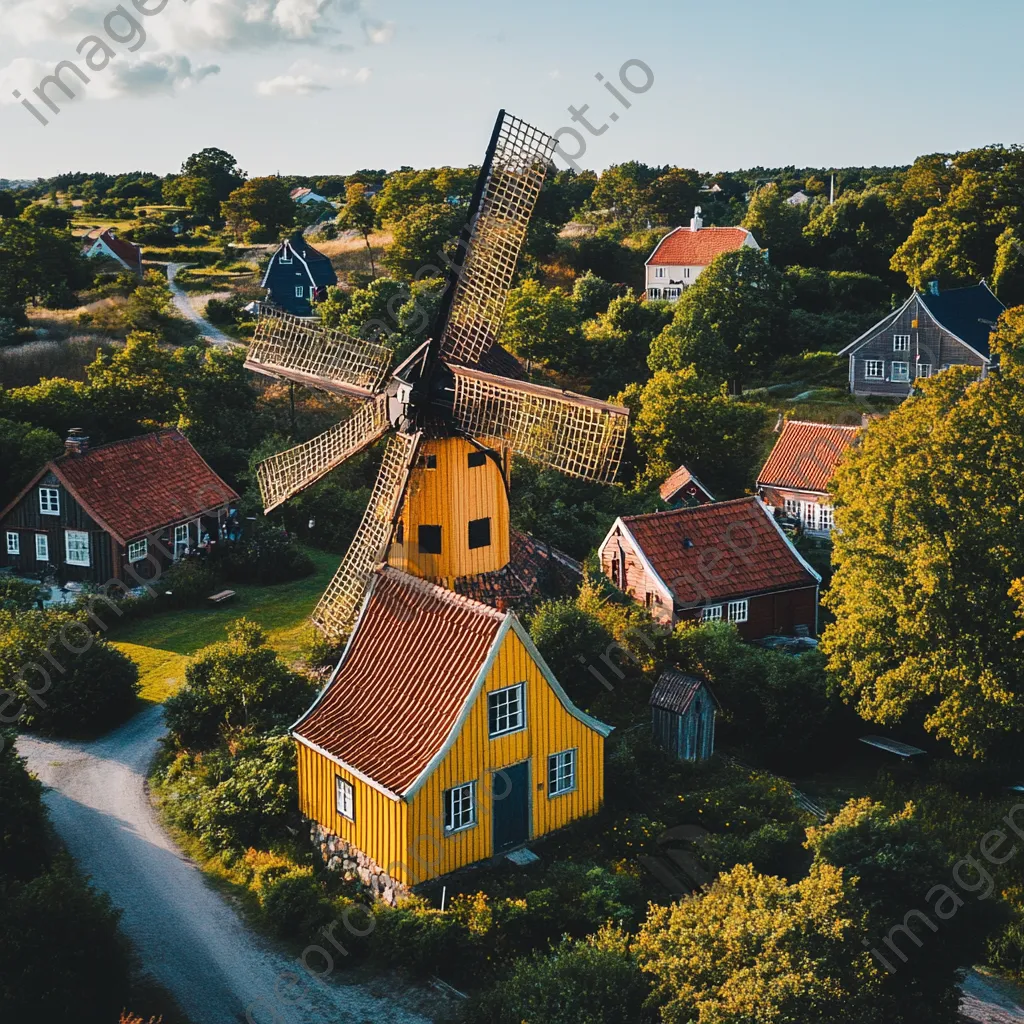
184 306
188 937
989 1001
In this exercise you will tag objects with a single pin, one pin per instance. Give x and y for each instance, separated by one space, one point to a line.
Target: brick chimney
77 442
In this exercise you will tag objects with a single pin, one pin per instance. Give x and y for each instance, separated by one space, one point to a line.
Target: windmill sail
294 349
289 472
577 435
336 613
514 177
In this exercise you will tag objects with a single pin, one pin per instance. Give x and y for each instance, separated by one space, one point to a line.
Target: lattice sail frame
289 472
520 164
288 346
336 613
574 434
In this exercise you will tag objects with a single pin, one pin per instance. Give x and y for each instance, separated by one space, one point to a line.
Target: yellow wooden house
442 739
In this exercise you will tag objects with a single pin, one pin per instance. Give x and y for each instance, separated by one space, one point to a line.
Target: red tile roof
128 251
686 248
404 680
136 487
719 551
682 479
806 455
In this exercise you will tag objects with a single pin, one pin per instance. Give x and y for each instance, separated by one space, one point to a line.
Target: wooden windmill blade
336 613
511 179
290 348
577 435
291 471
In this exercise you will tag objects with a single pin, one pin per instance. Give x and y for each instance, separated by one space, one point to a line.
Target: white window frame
76 547
711 613
181 540
42 547
904 374
49 501
300 291
878 365
901 343
659 271
739 611
791 506
924 370
345 798
826 518
13 543
654 293
459 808
137 550
502 700
687 271
562 772
673 293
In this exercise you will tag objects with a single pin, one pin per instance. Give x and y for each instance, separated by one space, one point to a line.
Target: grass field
162 644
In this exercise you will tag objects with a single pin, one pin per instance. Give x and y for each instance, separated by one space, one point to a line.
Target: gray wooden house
929 333
297 276
683 711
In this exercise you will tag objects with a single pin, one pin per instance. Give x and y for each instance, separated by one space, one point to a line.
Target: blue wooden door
510 806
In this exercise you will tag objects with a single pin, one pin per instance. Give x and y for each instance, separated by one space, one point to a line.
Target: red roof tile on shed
680 479
141 485
686 248
403 681
719 551
806 455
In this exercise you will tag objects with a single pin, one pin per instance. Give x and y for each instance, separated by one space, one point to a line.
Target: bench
224 595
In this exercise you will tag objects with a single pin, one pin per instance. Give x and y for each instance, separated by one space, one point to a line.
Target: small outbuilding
683 711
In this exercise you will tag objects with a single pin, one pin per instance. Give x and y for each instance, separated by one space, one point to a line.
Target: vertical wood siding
689 737
634 579
450 496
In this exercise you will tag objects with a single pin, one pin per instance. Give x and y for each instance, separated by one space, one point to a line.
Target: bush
23 849
190 581
423 940
295 904
224 311
17 595
269 556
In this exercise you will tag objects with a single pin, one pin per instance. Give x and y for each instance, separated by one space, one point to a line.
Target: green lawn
162 644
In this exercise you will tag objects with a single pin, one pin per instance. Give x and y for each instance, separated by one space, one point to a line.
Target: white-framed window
712 613
900 371
924 369
49 501
180 540
13 543
137 550
42 547
300 291
654 293
792 507
459 808
562 773
874 369
344 798
826 518
673 293
901 343
659 271
76 547
739 611
505 711
687 271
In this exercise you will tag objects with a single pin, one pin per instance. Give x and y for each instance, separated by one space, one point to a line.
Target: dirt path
989 1001
189 938
184 306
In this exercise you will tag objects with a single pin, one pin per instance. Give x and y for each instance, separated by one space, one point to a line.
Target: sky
332 86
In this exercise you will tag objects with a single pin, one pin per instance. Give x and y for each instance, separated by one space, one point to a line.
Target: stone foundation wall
340 855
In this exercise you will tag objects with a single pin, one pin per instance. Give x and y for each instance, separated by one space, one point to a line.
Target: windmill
442 390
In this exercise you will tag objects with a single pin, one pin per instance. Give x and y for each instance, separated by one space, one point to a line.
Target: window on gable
475 459
874 369
42 547
76 547
344 798
49 501
505 711
900 371
430 540
562 773
712 613
739 610
137 550
13 543
901 343
459 807
479 533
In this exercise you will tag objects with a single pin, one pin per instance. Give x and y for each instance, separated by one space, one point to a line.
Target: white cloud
290 85
379 32
305 77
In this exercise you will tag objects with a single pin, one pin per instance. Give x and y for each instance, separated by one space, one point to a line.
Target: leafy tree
1008 274
543 325
359 215
49 216
753 948
423 241
670 200
731 323
54 404
622 188
23 847
564 632
8 204
24 449
605 257
592 294
776 224
207 179
38 265
260 209
927 553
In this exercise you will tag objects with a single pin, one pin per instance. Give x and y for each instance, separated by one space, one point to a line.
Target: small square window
430 540
562 773
459 808
76 547
505 711
739 610
901 343
476 459
479 533
874 369
13 543
900 371
713 613
137 550
792 507
345 798
49 501
42 547
427 462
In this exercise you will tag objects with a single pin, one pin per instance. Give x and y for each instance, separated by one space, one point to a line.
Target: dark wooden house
682 489
116 512
929 333
683 711
726 561
297 276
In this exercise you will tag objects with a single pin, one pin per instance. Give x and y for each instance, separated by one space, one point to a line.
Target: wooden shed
683 710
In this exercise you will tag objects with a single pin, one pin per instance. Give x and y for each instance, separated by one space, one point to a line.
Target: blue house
297 276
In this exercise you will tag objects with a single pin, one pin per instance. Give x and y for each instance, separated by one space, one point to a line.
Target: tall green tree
776 224
424 241
259 210
1008 273
543 325
207 178
359 215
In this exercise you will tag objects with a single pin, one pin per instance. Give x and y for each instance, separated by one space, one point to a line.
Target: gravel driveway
184 306
188 937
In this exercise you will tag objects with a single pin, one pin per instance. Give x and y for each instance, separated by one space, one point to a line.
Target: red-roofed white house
106 243
681 256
